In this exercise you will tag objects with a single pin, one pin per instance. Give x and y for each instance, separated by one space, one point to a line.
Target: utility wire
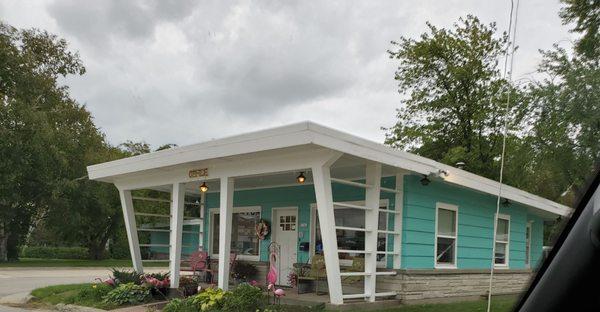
508 76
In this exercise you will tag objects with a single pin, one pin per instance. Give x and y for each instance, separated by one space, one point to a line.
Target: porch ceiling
346 167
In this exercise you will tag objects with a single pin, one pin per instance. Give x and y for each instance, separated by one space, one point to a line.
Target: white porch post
323 194
131 228
373 178
225 218
399 203
177 208
201 225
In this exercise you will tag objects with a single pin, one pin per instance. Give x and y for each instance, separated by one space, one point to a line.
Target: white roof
309 133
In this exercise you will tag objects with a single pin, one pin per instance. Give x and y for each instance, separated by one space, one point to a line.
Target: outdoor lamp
506 202
425 181
203 187
301 178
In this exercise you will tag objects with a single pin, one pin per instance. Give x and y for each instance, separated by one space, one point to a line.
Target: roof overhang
303 136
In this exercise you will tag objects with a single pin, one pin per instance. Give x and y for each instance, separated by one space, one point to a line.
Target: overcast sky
187 71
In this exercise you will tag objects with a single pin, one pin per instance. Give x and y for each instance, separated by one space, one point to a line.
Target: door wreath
262 229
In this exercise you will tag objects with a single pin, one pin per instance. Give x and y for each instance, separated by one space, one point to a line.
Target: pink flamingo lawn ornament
279 293
273 272
272 275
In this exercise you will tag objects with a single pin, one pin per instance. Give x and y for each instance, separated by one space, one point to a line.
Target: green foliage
42 129
48 139
586 16
77 294
244 298
181 305
455 99
128 293
453 107
126 276
43 263
188 285
244 270
93 292
211 299
41 252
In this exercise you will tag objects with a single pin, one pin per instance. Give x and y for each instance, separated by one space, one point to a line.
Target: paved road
15 282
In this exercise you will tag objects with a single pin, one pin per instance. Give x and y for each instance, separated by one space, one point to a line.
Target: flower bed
244 297
123 288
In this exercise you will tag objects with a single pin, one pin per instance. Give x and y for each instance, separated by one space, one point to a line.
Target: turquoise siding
301 196
475 221
475 226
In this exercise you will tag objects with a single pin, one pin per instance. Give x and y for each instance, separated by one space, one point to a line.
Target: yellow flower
94 286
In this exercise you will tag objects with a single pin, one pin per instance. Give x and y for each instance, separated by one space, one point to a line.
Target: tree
454 96
566 131
40 126
48 139
586 16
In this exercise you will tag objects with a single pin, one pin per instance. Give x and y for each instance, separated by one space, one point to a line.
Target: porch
359 226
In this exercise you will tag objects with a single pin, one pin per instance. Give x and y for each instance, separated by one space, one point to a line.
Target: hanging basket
262 229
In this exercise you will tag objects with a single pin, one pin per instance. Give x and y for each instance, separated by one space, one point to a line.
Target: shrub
244 270
188 285
126 276
42 252
211 299
158 283
181 305
129 293
244 298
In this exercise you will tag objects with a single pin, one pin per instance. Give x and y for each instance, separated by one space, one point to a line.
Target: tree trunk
3 244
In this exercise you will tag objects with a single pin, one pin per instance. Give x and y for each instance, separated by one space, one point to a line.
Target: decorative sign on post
197 173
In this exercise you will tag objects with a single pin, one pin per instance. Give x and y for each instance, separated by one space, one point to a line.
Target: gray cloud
187 71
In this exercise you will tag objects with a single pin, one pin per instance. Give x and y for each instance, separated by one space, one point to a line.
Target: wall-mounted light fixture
204 187
301 178
506 202
425 180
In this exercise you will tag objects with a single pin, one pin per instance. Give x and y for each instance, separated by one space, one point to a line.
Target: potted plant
243 271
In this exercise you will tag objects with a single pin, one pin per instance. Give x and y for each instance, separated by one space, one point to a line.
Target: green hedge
54 252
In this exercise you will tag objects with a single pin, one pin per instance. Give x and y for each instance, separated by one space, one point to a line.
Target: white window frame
453 265
507 242
344 262
528 228
213 211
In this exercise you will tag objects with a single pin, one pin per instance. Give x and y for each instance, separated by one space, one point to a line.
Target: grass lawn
67 294
500 304
109 263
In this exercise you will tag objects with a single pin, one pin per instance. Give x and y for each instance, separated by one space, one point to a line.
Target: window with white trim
243 232
502 241
446 235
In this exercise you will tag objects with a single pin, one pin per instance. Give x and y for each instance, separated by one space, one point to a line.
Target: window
528 245
352 240
287 223
502 241
445 240
243 234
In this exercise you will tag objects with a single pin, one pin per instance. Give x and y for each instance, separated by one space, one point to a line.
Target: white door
285 233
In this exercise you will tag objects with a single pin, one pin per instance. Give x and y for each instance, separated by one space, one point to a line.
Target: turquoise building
404 226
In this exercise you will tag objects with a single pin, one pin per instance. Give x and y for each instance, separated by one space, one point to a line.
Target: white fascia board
353 145
310 133
281 137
